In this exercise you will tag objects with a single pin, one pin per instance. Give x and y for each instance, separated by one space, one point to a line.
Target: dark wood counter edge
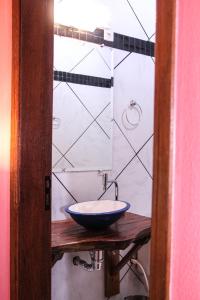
129 228
93 246
103 243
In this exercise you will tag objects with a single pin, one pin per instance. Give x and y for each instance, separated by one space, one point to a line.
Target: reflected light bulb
82 14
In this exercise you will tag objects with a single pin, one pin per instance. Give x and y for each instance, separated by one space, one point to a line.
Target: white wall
133 80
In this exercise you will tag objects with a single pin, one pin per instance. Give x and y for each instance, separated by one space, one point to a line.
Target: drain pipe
96 261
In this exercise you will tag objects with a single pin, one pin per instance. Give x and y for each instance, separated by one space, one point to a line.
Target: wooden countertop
68 236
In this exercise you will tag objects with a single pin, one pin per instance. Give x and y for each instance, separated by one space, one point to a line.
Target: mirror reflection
83 96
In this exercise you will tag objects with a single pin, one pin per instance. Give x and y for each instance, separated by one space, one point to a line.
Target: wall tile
138 85
63 99
97 63
123 20
139 195
146 13
72 52
146 156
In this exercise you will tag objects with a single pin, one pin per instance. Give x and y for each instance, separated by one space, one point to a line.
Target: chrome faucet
106 182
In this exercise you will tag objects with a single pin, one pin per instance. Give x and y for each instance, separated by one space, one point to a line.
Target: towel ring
129 125
56 123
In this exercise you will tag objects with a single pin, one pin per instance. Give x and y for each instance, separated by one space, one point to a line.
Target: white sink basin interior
98 207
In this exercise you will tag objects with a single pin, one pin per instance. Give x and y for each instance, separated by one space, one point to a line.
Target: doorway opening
31 135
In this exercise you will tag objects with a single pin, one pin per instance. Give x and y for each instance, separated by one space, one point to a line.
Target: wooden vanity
68 236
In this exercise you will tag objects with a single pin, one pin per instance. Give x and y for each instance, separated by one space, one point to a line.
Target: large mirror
82 100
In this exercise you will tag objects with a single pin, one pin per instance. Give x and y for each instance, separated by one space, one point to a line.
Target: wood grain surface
68 236
111 280
163 150
31 149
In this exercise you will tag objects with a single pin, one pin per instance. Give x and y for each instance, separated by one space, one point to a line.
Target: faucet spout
106 182
116 189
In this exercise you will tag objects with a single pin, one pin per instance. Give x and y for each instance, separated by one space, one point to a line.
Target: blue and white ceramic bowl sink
97 214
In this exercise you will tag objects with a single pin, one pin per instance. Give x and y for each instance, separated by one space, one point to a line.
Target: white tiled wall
84 113
133 80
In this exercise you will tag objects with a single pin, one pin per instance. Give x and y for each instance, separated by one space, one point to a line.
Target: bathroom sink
97 214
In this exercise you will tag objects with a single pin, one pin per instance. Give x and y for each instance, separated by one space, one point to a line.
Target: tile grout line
82 134
64 187
123 60
119 174
79 99
134 156
54 145
137 18
103 59
78 63
133 149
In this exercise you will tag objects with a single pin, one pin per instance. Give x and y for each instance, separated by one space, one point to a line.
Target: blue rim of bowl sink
67 209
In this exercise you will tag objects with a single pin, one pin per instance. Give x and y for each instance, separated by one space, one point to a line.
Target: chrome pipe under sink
96 261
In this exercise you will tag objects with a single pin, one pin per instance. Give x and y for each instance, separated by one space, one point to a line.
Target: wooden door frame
163 143
163 150
31 131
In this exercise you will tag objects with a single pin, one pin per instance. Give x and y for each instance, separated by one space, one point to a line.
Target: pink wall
185 283
5 97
